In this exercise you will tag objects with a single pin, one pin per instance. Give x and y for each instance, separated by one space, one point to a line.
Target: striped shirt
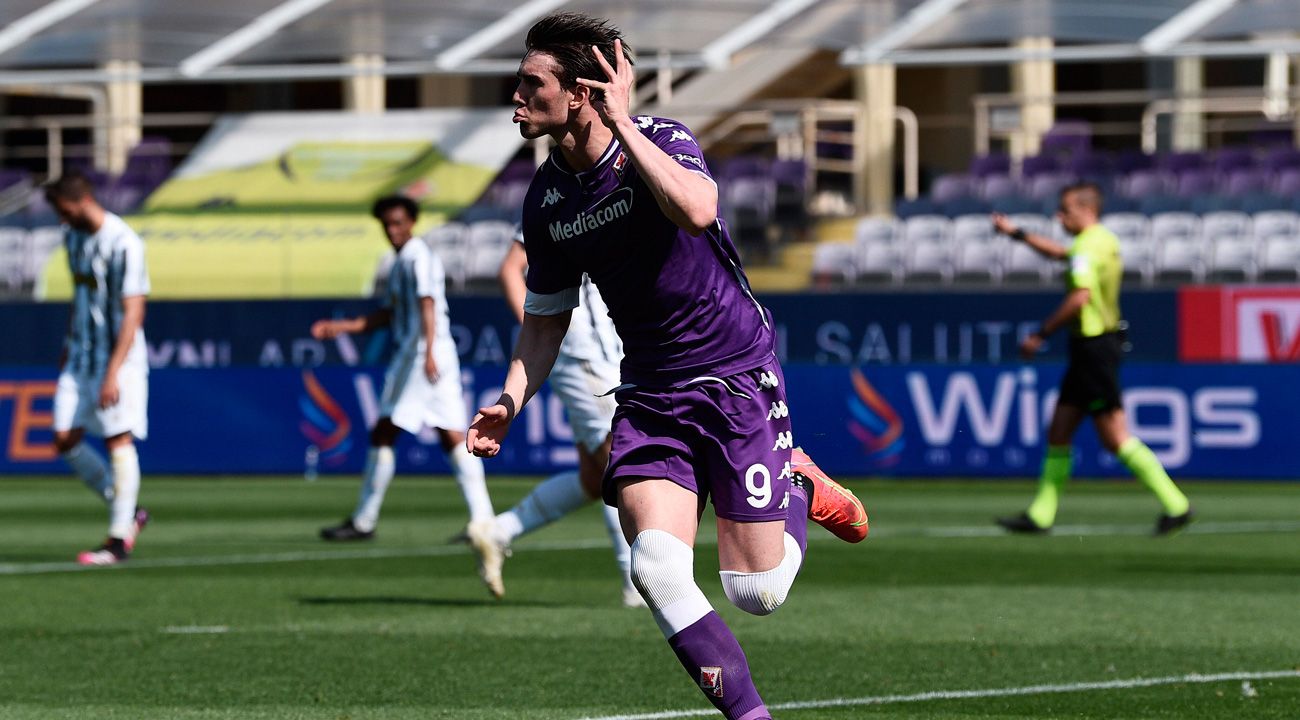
416 273
107 266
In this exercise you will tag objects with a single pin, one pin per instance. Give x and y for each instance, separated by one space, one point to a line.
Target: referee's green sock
1056 472
1146 467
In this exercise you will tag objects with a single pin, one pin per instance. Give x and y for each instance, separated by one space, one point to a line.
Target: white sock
473 485
622 551
380 466
550 500
90 467
126 491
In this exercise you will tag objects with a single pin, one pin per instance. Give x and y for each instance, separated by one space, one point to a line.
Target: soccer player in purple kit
702 408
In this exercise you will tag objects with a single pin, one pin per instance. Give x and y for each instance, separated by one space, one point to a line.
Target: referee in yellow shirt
1091 383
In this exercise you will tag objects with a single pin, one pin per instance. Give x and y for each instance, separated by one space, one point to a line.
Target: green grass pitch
231 608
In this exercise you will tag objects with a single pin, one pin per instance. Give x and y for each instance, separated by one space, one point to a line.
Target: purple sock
796 519
714 660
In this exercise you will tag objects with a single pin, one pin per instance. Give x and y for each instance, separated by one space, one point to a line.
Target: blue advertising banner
1213 421
826 329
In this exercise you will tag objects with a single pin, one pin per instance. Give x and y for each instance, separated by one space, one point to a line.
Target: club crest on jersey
620 162
711 681
552 196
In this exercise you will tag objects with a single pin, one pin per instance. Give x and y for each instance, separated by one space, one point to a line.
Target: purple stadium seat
1130 161
1287 183
1143 183
993 164
1244 182
1195 182
745 166
789 172
1229 160
1098 167
1278 159
997 187
950 187
1067 138
1038 165
1047 186
1179 163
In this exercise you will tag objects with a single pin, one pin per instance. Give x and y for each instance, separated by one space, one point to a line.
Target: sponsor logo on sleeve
683 157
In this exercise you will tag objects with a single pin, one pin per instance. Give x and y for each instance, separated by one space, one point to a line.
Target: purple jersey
680 303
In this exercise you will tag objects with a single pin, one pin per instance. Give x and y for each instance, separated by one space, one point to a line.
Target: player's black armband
1018 234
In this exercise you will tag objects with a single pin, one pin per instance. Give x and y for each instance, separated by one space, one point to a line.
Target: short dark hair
568 38
384 204
71 185
1089 194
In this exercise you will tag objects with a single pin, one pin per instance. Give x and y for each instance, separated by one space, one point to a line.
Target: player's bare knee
761 593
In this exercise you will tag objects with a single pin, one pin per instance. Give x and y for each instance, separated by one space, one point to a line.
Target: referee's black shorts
1091 379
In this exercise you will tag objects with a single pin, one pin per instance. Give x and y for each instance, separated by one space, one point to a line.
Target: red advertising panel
1239 324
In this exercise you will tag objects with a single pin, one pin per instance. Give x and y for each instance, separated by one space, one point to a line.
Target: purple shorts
728 438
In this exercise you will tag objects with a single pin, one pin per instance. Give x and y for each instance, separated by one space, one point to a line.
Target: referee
1091 383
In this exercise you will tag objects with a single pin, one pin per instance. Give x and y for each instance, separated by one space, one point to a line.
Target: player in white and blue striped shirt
422 386
103 377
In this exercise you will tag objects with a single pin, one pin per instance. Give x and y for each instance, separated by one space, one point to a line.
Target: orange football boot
832 506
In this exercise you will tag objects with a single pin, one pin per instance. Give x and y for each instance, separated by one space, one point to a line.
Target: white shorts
76 404
412 402
581 385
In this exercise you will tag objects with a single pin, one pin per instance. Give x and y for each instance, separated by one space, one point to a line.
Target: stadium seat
1178 162
1145 183
1174 226
905 209
1024 265
876 229
978 262
1181 259
1280 259
1274 223
1195 182
1156 204
1245 181
1233 259
1287 183
834 264
982 166
998 187
950 187
1035 165
1216 226
1139 255
1130 161
929 261
879 263
965 206
927 228
1233 159
1127 226
1047 186
974 228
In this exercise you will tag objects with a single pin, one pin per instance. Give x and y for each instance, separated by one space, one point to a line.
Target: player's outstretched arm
330 329
539 343
511 277
687 198
1045 246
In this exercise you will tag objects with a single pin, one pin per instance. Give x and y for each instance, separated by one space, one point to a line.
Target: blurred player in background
585 370
701 411
103 383
1091 383
422 385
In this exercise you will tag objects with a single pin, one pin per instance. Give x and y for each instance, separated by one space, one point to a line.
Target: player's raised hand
1003 224
324 330
616 90
488 431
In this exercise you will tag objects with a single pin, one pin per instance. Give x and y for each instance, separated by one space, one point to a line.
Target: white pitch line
1193 678
196 629
950 532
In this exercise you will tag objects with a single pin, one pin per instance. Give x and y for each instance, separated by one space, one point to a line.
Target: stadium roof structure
60 41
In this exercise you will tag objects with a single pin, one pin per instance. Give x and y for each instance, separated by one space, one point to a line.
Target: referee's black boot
1022 524
345 532
1170 524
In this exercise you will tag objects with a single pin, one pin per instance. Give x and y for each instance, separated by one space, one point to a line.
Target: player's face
1070 213
397 225
74 212
541 104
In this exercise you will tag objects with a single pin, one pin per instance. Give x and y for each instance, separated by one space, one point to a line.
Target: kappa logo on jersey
785 501
711 681
680 135
787 472
644 121
767 380
778 411
662 126
683 157
606 210
552 196
784 441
